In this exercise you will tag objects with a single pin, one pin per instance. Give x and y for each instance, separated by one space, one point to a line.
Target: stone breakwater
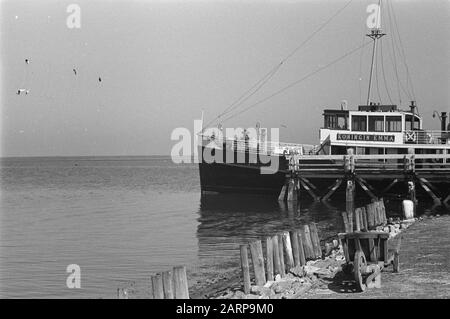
301 279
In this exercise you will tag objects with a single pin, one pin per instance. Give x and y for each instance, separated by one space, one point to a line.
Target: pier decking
431 172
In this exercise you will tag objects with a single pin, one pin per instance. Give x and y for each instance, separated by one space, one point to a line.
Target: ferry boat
242 164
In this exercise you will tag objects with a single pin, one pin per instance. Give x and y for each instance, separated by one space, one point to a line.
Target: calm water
122 219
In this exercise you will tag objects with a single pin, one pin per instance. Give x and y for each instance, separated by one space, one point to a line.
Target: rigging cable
259 84
393 58
384 74
402 54
299 80
360 72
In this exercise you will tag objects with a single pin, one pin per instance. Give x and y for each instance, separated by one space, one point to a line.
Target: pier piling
122 293
295 250
288 250
301 250
245 268
180 283
269 258
258 262
167 279
276 256
315 240
308 247
157 286
281 254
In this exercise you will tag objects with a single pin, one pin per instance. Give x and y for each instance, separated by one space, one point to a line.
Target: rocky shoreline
302 279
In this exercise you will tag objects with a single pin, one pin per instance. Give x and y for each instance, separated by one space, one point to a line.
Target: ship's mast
374 34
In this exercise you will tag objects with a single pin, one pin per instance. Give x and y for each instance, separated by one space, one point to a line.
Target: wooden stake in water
122 293
258 262
301 250
358 219
280 250
315 240
167 279
157 285
245 268
364 219
180 283
345 220
307 243
295 251
288 250
269 258
276 255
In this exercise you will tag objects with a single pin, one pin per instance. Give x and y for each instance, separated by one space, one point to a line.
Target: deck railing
371 163
426 137
263 147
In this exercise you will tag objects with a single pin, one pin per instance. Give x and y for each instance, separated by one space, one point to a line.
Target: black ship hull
242 177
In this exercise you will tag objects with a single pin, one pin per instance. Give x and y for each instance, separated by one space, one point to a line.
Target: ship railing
426 137
259 147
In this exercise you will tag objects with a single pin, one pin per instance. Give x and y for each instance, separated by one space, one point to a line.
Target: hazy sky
162 62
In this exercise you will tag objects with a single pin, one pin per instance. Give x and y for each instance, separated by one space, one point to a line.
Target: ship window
376 123
330 121
410 125
393 123
342 122
359 123
336 121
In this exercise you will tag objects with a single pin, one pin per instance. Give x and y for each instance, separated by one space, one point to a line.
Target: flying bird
74 71
27 61
99 79
20 91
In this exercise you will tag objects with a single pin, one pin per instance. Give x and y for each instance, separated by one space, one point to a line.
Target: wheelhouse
377 129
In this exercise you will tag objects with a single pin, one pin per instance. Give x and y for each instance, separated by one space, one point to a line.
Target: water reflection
226 221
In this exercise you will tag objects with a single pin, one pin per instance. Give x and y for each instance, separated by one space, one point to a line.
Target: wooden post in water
345 220
350 221
377 213
295 251
315 240
301 251
307 243
292 190
288 250
180 283
358 219
370 216
269 258
157 285
167 279
280 251
245 268
276 256
122 293
283 193
258 262
383 210
364 218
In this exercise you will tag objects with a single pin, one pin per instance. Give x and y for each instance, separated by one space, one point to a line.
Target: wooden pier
430 172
